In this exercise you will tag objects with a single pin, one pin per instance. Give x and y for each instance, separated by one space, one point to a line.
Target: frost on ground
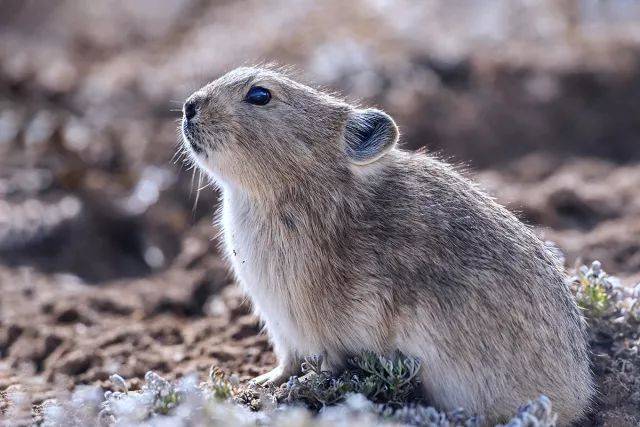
317 399
373 390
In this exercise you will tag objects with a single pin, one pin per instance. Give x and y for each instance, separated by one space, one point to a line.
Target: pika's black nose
190 108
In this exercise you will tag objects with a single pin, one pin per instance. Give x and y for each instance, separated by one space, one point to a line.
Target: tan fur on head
346 243
263 148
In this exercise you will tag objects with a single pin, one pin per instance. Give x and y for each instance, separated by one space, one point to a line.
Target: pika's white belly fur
266 277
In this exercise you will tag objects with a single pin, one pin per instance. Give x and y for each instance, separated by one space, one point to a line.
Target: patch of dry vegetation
373 391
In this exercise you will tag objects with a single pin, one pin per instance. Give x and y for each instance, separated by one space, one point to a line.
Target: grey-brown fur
381 249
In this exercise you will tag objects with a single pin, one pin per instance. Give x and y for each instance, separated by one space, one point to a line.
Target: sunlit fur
402 253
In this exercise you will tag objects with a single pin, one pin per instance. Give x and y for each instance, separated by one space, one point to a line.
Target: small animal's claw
274 377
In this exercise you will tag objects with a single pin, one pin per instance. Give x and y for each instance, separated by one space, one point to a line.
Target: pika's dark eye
258 96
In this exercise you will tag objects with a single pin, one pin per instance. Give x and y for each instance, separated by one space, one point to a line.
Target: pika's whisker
195 204
193 176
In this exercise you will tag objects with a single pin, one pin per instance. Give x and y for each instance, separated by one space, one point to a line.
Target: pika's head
258 129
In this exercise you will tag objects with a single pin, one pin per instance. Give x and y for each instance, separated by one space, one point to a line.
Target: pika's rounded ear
369 134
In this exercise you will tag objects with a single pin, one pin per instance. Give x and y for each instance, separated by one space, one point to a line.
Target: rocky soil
108 259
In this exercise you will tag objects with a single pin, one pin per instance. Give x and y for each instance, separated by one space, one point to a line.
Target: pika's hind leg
446 382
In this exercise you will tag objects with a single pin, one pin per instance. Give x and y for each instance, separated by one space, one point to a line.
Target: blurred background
102 246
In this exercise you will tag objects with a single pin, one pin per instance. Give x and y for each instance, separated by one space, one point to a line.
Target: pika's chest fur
275 271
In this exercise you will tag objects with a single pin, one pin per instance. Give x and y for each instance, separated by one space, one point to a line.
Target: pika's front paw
274 377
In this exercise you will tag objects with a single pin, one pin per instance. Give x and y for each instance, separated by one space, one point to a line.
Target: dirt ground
108 264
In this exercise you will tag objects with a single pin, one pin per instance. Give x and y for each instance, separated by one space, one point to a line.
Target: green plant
221 387
167 396
390 381
592 287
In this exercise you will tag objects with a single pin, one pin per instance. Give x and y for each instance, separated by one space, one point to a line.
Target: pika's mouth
190 135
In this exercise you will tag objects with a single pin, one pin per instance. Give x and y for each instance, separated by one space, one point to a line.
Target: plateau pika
346 243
